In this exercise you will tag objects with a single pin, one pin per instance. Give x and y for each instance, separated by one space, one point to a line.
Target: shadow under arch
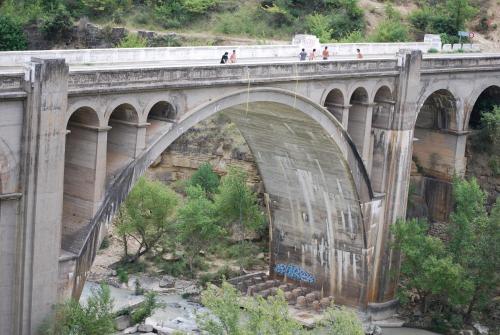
312 172
434 143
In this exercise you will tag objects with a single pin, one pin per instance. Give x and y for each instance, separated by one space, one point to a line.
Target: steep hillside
215 22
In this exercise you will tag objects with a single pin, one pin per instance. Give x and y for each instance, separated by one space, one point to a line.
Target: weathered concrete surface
113 138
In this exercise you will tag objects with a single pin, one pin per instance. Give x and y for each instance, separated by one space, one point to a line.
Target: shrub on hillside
58 25
132 41
12 36
95 317
390 31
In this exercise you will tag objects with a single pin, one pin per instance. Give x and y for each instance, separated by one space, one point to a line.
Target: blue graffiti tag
294 272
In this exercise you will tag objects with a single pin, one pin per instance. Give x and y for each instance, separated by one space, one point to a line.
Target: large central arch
313 174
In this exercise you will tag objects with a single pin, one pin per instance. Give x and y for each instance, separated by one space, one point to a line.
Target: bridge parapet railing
208 53
472 61
11 82
83 80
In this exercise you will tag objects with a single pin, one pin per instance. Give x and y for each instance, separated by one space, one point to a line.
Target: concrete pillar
43 168
359 127
341 112
395 176
126 140
9 226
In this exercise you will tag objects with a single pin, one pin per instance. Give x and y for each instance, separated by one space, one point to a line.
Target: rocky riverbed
179 314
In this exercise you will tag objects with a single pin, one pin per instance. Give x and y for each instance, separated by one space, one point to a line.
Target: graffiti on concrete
294 272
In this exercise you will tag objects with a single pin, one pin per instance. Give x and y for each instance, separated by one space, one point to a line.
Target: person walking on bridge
224 58
303 54
232 58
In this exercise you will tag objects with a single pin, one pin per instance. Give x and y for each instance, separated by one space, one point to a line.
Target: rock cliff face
216 141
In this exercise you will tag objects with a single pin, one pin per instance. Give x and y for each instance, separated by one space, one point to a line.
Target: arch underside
314 177
316 217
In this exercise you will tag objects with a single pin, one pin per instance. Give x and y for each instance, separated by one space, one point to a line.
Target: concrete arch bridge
333 141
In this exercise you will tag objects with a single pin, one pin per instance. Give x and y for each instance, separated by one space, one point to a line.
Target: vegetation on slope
453 281
330 20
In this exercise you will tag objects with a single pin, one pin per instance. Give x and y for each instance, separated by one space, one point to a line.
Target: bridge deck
98 66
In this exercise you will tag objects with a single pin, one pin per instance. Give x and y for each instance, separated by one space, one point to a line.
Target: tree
206 178
12 36
196 224
459 11
95 317
236 203
461 275
474 241
426 267
150 216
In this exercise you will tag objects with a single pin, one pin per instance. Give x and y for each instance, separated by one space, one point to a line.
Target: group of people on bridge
302 55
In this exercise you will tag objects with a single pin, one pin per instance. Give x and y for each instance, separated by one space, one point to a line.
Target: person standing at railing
303 54
232 58
359 55
326 53
312 55
224 58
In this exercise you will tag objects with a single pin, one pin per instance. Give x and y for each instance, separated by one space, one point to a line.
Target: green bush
102 7
261 316
57 25
12 36
206 178
122 275
319 25
433 51
390 31
342 322
146 309
356 36
175 268
487 138
133 41
93 318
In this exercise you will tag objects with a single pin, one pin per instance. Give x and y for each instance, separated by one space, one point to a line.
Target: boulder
482 330
130 330
167 282
144 328
372 329
122 322
164 330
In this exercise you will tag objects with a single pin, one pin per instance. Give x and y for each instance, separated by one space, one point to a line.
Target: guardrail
212 53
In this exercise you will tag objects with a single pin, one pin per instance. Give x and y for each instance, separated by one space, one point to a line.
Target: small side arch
8 166
87 105
125 104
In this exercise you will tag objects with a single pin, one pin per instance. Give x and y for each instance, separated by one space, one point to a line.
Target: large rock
373 330
167 282
122 322
144 328
164 330
130 330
